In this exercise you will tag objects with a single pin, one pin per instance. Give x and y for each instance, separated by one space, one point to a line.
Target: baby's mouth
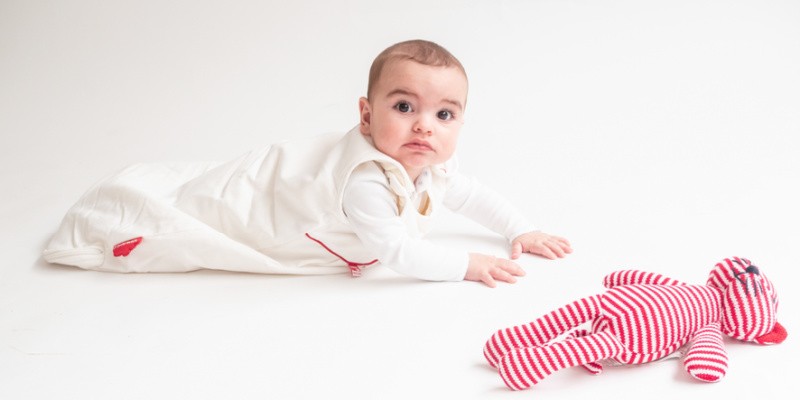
419 146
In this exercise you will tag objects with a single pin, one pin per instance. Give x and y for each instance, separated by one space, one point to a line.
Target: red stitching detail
355 268
124 248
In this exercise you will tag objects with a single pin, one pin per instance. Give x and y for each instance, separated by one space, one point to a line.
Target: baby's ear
365 114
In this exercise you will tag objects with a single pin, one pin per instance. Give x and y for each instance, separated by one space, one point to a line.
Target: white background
654 135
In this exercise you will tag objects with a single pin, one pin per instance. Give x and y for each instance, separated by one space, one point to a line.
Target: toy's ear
749 301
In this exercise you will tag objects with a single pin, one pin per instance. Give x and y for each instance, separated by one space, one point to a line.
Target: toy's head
749 302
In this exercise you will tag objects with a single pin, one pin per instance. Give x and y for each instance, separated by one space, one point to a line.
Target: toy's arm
706 358
632 277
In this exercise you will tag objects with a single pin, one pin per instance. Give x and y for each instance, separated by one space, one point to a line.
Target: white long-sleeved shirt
279 209
373 213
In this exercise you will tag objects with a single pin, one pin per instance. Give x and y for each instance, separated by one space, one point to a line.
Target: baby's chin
414 169
419 160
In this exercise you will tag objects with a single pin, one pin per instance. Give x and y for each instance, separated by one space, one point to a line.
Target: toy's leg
707 359
524 367
593 368
543 329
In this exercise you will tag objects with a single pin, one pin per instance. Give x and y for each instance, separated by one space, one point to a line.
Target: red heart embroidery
125 248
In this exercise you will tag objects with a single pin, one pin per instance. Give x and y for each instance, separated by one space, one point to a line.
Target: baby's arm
371 211
491 210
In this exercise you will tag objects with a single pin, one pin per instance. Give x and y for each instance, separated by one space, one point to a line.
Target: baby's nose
422 125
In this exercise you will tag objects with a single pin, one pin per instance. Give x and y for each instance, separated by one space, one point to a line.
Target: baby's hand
540 243
487 269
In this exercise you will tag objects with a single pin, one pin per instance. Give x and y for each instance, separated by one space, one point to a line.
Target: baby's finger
556 249
565 245
511 268
516 250
488 280
562 240
503 275
545 252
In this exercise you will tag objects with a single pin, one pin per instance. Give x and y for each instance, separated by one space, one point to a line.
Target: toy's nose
777 335
751 270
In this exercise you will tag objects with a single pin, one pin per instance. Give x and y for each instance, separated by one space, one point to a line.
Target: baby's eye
445 115
403 107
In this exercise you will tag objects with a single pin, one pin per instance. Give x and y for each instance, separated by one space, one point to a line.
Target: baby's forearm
486 207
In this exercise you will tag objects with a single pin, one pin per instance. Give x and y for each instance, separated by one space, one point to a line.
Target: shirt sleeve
477 202
371 210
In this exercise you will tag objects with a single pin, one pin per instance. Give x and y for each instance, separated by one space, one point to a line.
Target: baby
318 205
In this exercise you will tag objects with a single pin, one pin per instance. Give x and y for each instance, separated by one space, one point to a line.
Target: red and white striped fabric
706 359
634 277
591 367
644 317
750 301
541 330
524 367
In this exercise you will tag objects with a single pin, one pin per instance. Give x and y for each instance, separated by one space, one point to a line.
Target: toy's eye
750 283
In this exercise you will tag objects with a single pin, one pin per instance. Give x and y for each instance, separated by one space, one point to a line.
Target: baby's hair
421 51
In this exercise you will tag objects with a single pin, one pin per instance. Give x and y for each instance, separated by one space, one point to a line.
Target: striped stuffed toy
641 318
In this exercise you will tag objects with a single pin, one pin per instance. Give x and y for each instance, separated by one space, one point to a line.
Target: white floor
656 135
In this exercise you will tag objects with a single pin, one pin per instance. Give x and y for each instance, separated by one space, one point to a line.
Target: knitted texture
707 359
750 301
644 317
523 367
541 330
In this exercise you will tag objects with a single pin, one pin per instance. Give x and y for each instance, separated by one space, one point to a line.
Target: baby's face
415 113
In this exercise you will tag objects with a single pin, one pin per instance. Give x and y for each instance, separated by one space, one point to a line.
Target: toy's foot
524 367
593 368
